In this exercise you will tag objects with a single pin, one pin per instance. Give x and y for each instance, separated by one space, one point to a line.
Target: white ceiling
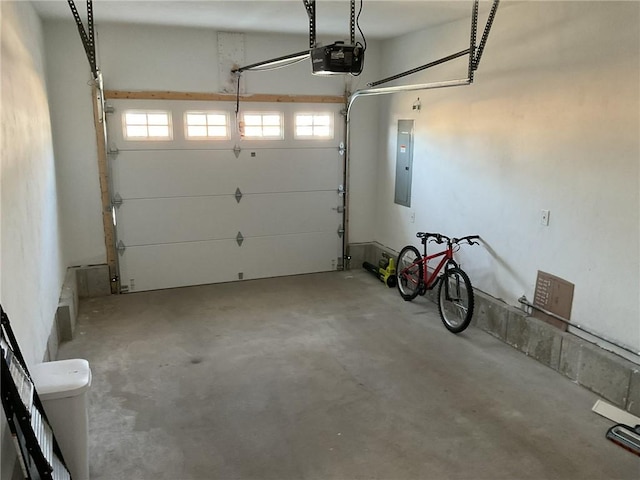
379 19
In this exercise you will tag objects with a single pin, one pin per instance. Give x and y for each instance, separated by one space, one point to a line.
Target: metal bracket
117 200
113 151
485 34
108 108
472 39
340 231
475 53
341 148
239 239
237 150
87 36
352 22
341 190
121 247
310 5
238 195
339 208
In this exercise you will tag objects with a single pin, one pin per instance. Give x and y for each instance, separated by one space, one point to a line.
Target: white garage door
194 211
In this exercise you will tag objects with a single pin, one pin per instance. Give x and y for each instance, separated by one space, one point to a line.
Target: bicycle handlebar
469 239
440 238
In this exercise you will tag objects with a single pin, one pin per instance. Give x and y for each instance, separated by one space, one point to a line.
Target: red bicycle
455 294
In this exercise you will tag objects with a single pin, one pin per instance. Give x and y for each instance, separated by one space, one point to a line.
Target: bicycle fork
453 293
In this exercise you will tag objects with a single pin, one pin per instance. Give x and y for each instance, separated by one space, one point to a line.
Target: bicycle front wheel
409 272
455 300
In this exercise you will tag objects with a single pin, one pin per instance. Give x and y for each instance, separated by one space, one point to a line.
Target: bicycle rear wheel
455 300
409 272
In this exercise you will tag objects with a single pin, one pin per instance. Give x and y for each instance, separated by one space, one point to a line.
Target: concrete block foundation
93 281
545 342
67 312
79 282
604 373
633 398
489 317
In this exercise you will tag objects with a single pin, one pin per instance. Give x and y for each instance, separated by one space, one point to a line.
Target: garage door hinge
237 150
113 151
238 195
109 108
121 247
117 200
340 231
341 190
239 239
341 148
339 209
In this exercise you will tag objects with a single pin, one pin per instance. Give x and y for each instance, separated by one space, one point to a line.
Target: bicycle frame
429 281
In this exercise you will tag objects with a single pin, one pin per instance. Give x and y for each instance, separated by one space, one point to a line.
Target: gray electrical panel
404 162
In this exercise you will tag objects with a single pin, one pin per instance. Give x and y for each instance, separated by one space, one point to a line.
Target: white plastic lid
62 378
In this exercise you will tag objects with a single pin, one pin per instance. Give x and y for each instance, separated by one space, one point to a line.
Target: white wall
136 57
552 122
32 267
74 141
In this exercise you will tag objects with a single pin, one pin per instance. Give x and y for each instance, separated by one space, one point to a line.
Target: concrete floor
326 376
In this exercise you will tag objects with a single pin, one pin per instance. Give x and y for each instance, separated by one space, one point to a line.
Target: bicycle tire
455 300
409 278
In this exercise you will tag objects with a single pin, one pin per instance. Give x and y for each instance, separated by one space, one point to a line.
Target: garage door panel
187 219
146 174
290 254
289 213
155 267
290 170
180 219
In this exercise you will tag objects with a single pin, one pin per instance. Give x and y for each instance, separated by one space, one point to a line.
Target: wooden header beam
221 97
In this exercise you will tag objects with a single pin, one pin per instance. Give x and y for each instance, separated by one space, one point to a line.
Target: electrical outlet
544 217
412 217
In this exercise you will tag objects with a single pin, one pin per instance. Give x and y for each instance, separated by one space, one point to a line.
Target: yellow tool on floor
385 271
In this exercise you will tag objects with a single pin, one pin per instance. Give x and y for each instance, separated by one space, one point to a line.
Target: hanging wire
239 125
360 44
364 47
238 96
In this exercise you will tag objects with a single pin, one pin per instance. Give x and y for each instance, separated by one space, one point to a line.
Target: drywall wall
32 265
138 57
551 122
74 141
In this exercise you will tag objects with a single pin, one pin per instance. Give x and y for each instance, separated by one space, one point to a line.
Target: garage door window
314 125
265 126
147 125
206 125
